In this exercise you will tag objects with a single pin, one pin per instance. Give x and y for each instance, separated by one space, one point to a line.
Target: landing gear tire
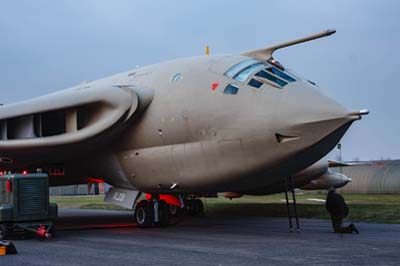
3 232
163 213
175 211
199 208
144 214
196 208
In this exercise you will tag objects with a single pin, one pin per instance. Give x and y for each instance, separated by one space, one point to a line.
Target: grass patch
82 202
384 208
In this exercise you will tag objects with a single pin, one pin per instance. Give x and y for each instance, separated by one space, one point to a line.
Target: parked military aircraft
239 124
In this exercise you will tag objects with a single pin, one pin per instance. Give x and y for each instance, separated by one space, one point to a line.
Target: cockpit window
240 66
280 74
176 77
231 89
272 71
266 75
245 73
255 83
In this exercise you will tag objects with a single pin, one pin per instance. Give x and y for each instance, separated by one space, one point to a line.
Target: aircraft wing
65 120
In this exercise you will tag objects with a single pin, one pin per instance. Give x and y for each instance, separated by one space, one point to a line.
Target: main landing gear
152 213
155 211
195 207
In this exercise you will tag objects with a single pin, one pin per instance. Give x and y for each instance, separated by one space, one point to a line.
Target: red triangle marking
214 86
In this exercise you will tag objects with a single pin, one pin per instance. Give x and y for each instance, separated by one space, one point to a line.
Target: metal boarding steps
291 206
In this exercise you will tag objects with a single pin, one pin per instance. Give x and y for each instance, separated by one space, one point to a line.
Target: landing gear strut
289 186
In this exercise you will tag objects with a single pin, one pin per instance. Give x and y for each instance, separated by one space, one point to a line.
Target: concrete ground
93 237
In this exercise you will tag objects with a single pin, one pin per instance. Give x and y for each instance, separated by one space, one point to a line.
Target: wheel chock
7 248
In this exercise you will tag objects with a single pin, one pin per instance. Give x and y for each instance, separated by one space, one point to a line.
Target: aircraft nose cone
310 105
310 115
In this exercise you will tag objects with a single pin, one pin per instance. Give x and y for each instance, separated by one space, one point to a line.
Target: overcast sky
51 45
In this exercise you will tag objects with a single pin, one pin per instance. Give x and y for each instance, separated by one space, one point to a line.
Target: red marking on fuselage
214 86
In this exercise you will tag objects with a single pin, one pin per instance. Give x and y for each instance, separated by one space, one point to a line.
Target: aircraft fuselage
194 138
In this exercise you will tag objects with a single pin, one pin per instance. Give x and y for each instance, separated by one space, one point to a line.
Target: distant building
372 177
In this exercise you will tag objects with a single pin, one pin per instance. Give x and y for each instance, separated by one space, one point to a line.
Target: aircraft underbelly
210 166
187 166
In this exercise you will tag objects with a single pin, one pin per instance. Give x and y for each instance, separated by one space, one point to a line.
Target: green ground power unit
24 204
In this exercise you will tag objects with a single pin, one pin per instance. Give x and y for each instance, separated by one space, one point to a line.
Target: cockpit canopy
255 73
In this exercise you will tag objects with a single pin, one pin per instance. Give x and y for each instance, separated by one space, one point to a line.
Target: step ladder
291 206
